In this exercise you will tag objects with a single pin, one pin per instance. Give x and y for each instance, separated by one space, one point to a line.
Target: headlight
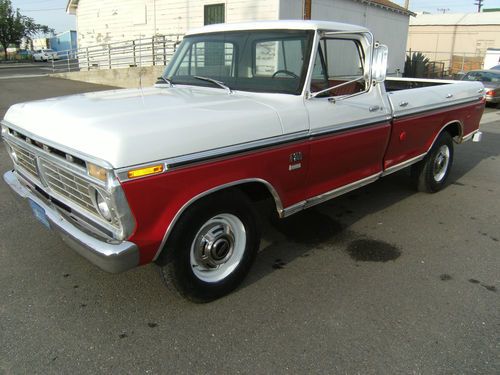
102 206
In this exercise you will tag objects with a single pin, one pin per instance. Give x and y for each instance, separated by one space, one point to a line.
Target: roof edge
388 5
72 6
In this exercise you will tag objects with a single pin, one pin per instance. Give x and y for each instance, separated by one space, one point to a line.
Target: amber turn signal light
141 172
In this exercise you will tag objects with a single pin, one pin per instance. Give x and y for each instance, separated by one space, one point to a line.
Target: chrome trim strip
200 156
111 257
274 193
351 125
403 165
329 195
436 82
447 105
180 161
469 136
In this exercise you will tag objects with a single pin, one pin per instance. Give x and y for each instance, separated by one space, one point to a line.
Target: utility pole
479 4
407 4
307 9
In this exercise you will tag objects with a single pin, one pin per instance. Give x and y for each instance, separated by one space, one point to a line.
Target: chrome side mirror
379 62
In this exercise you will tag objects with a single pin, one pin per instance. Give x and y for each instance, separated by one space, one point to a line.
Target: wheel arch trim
443 128
189 203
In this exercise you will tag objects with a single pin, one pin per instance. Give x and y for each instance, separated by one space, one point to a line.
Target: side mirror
379 62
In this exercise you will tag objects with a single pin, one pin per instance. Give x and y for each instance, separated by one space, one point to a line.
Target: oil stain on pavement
366 250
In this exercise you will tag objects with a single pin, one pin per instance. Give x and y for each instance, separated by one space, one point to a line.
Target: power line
42 10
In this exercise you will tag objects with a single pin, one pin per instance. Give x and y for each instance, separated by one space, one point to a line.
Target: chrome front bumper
111 257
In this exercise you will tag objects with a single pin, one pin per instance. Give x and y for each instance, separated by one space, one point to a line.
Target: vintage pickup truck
297 112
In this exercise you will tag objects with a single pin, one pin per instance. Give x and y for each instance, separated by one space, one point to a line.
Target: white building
109 21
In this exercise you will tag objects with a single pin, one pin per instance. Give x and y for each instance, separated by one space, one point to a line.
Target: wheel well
455 130
262 195
259 192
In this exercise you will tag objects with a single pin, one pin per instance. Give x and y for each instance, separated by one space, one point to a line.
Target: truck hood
132 126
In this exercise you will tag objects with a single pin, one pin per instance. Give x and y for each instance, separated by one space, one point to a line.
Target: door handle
449 96
403 104
374 108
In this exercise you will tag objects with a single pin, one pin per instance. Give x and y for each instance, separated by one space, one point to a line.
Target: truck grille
68 185
26 160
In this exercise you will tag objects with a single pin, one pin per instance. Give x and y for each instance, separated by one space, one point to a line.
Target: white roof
284 24
452 19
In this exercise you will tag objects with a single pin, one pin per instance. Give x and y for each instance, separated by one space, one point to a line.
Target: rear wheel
212 247
431 174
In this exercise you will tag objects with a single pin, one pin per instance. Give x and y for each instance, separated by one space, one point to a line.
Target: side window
337 62
208 59
280 58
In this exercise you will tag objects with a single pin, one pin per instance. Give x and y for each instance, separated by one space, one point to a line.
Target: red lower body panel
413 135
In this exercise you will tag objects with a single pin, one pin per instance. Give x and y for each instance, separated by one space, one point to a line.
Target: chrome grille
68 185
25 160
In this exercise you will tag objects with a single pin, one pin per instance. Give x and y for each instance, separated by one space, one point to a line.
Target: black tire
187 266
431 174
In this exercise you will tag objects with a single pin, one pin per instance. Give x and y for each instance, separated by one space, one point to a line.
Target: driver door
349 121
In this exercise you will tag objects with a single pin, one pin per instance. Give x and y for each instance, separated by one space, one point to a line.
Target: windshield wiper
166 80
214 81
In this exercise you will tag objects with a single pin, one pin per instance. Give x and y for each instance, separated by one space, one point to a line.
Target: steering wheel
284 71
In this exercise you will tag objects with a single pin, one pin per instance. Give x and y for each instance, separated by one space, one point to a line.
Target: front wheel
431 174
212 247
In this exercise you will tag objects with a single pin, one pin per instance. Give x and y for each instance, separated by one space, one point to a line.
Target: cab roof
279 25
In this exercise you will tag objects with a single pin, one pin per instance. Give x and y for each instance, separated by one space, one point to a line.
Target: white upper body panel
133 126
448 93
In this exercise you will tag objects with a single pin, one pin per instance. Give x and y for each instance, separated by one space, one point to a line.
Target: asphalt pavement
383 280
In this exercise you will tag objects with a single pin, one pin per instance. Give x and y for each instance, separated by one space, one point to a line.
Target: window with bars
214 13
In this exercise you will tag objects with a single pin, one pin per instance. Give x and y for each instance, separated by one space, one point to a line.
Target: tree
14 26
416 65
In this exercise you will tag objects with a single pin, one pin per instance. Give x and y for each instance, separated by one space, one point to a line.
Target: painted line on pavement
24 76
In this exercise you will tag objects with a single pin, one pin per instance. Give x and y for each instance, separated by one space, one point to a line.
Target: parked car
45 55
491 81
288 113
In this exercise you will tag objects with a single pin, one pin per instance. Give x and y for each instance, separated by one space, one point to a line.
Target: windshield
482 76
262 60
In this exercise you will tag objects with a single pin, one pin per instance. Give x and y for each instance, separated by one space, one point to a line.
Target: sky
53 12
47 12
449 6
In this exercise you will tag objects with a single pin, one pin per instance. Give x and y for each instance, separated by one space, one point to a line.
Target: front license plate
39 213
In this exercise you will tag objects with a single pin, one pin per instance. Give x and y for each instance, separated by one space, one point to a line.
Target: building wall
388 27
456 47
64 41
108 21
445 41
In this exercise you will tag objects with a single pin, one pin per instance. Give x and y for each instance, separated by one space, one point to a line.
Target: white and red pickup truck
295 111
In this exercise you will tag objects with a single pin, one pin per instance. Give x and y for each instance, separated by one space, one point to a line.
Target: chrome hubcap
441 163
218 248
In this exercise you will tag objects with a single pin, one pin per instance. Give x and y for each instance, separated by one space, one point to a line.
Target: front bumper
111 257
